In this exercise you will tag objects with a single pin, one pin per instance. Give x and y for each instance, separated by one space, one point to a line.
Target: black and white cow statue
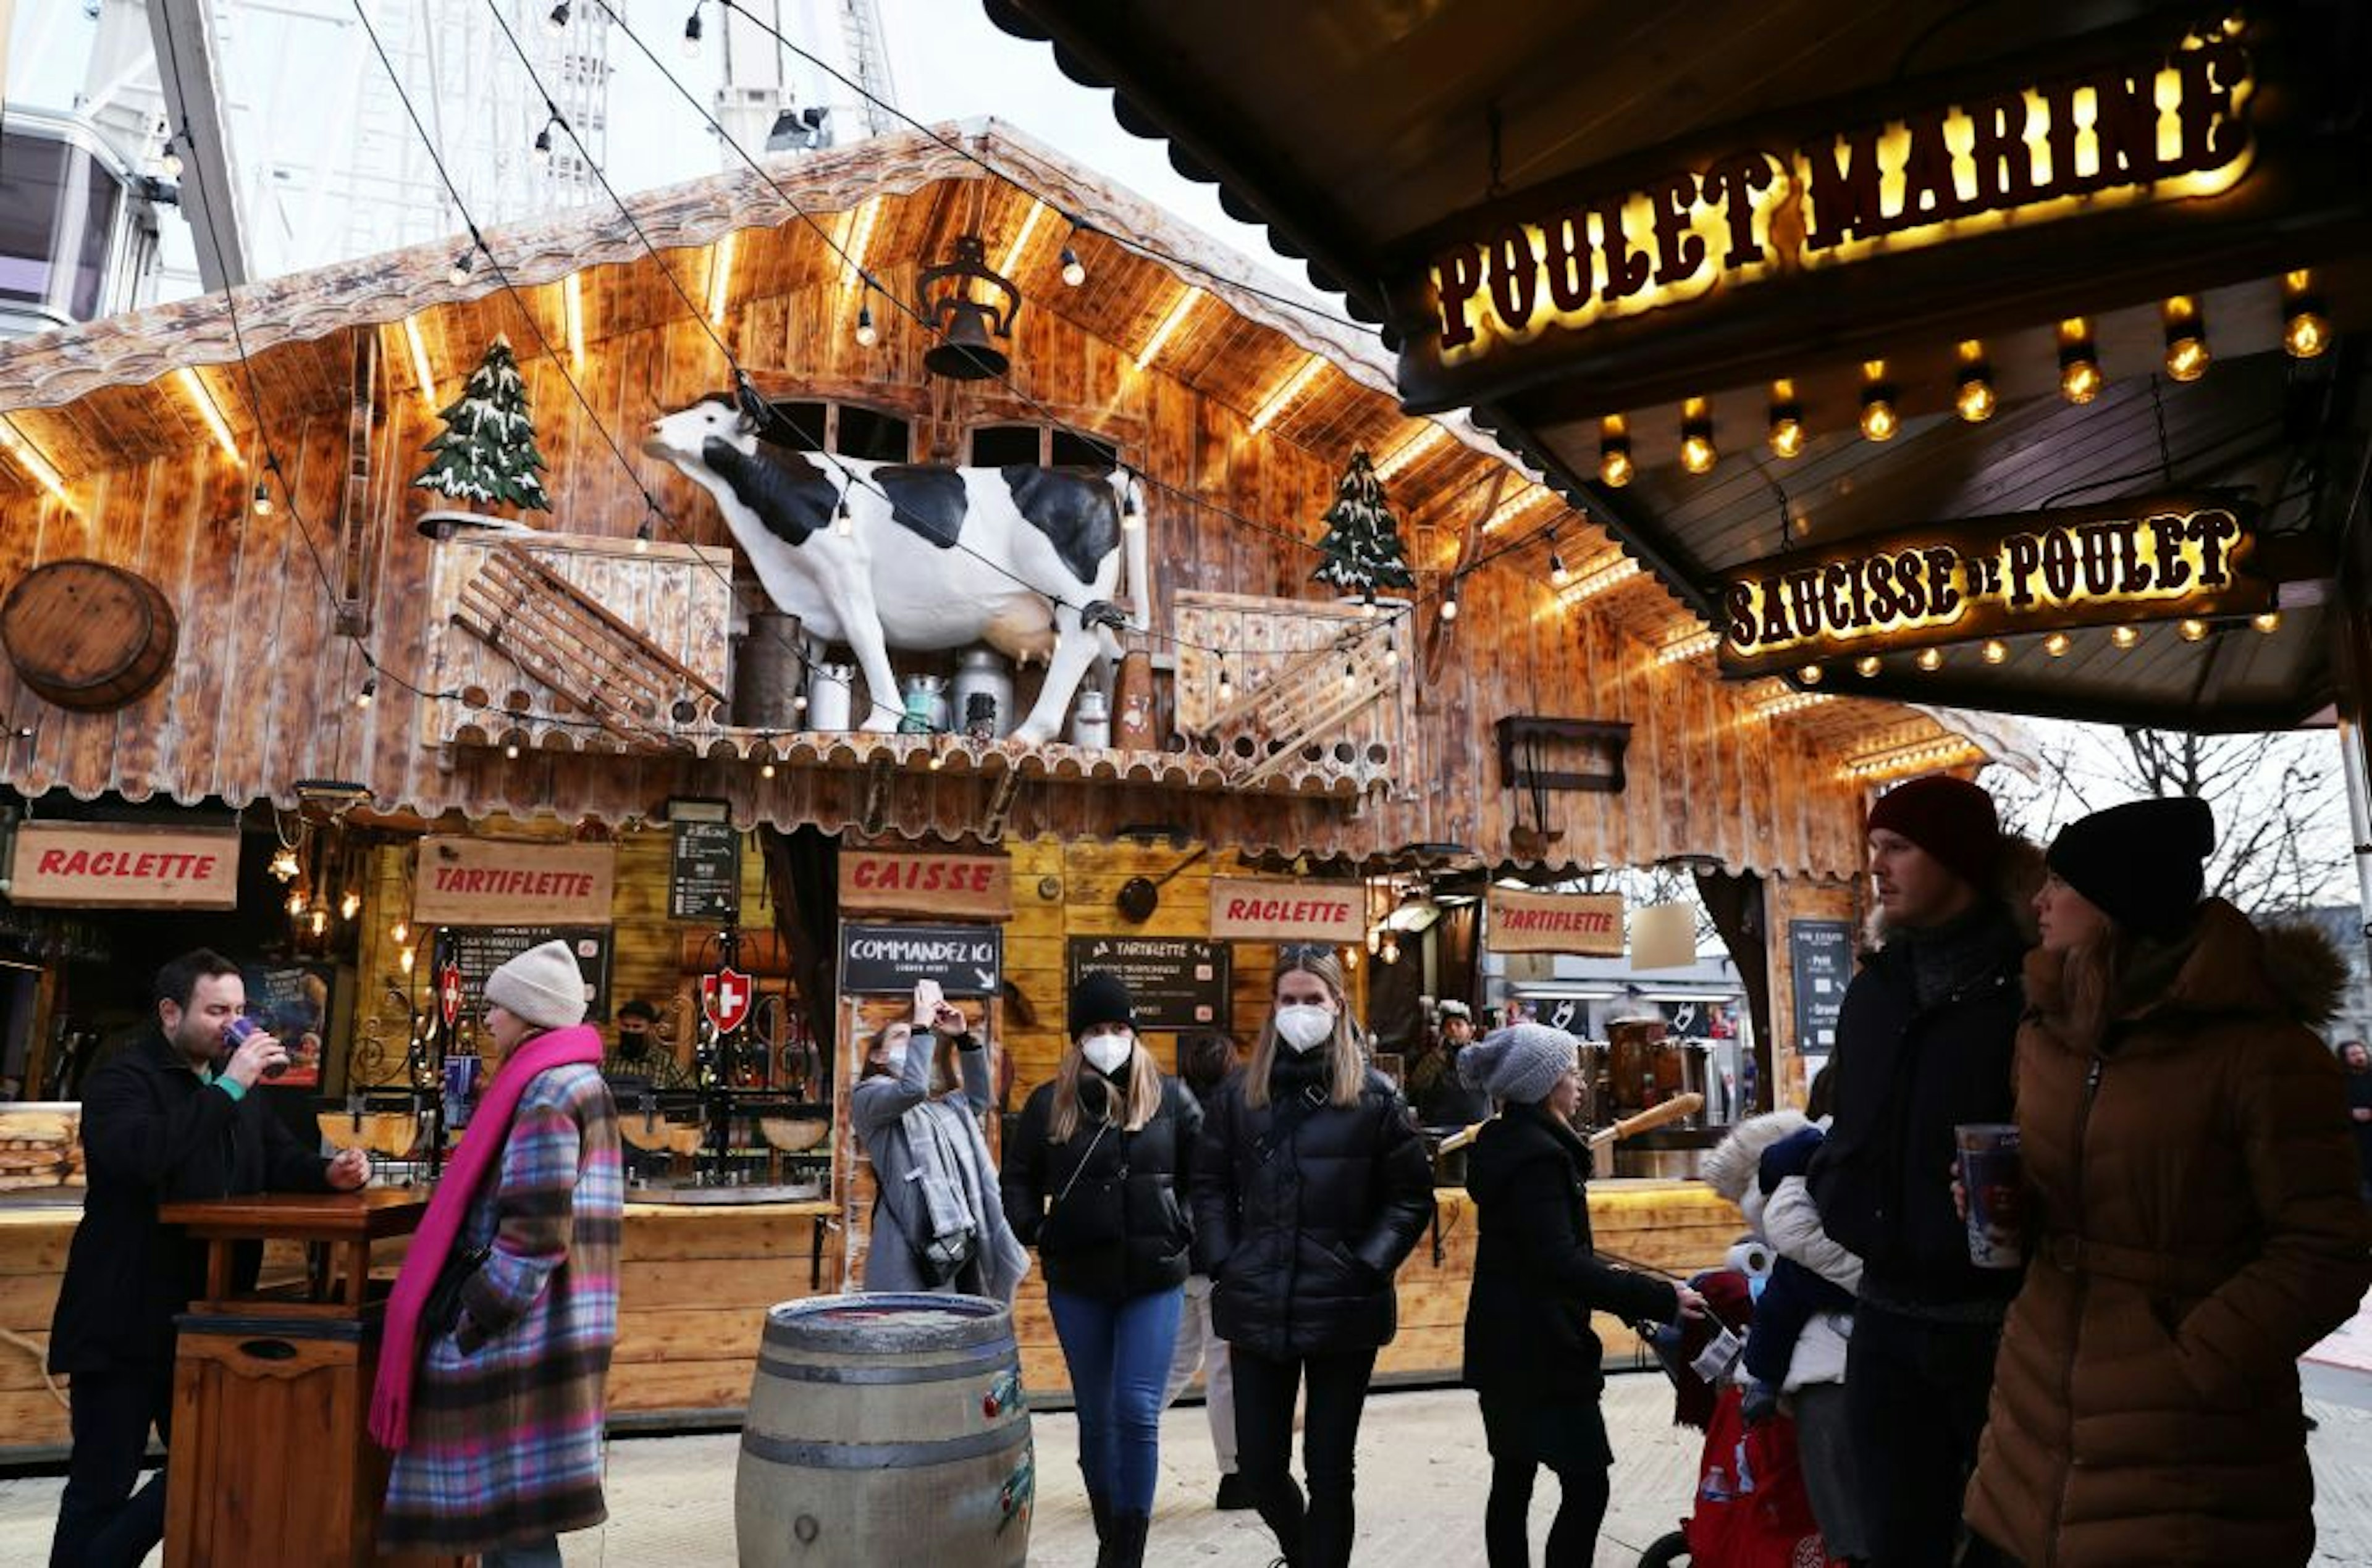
1023 558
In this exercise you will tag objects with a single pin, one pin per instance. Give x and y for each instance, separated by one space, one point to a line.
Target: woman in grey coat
939 1224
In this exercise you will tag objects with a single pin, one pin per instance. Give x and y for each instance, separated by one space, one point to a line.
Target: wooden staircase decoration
1304 701
551 629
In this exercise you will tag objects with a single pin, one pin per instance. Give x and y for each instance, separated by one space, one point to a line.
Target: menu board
1820 956
1174 983
883 960
704 872
479 950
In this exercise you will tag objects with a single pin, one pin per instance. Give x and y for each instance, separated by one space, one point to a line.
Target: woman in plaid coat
500 1447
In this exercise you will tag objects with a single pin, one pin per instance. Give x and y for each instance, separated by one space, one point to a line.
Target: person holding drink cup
169 1119
2192 1213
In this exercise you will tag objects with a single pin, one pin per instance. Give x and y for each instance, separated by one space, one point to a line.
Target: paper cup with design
1993 1180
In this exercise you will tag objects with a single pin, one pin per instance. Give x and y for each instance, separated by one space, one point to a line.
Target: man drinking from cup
170 1119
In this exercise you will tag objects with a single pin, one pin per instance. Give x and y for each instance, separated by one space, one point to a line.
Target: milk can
828 691
1091 721
926 705
983 672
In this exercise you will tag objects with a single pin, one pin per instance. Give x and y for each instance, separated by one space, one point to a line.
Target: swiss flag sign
725 997
448 995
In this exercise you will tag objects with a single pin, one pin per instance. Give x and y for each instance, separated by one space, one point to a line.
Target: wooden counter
696 1282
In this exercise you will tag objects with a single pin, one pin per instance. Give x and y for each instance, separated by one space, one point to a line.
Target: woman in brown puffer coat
2194 1225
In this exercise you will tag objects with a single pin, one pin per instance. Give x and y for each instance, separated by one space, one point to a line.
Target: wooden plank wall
1790 899
262 693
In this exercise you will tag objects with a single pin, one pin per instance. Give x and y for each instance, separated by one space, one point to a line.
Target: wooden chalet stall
593 707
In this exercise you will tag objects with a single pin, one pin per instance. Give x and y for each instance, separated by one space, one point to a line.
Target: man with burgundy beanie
1924 1042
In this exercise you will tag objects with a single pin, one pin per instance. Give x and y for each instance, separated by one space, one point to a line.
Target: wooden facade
1236 471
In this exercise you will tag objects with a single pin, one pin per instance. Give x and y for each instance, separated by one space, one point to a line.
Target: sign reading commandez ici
1996 160
2152 559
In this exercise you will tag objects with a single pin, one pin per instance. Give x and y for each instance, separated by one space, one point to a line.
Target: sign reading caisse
1586 924
883 960
1173 983
1245 910
119 865
467 881
875 881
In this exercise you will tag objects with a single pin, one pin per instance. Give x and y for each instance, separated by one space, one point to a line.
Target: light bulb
1879 420
799 704
2269 623
1227 687
399 933
1975 401
262 500
406 959
319 921
1931 660
867 334
1697 454
369 690
2125 637
459 272
1865 665
543 148
1392 953
2056 645
350 905
2305 331
766 770
2186 338
1391 651
1809 675
692 34
1558 576
296 903
171 162
642 537
557 21
1787 435
1073 271
2192 631
1450 607
510 750
1995 650
842 523
2080 379
1614 465
1350 676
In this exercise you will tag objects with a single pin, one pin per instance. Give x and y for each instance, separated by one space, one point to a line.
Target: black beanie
2142 862
1099 998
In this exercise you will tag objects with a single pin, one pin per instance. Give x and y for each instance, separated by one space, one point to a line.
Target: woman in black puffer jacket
1530 1350
1095 1177
1309 1188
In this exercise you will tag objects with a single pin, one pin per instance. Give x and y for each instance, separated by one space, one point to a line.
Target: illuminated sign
2156 558
2164 127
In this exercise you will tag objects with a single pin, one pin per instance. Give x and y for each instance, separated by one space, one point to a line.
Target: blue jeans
1119 1355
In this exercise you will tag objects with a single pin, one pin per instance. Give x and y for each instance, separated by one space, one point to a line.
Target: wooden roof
121 410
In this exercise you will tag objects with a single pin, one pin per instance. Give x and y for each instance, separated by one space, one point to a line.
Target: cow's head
680 438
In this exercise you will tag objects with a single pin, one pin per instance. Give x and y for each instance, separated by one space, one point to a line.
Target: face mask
1303 1026
1107 1051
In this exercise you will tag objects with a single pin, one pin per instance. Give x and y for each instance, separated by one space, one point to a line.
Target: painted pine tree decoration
486 454
1362 544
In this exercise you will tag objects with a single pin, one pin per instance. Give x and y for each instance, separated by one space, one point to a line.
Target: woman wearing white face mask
1095 1175
1311 1187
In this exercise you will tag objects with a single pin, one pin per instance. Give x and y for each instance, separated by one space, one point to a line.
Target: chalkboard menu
704 872
882 961
1820 956
1174 983
479 950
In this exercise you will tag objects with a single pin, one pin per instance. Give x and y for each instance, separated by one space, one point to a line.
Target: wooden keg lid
86 634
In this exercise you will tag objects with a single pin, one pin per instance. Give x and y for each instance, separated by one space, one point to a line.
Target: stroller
1751 1509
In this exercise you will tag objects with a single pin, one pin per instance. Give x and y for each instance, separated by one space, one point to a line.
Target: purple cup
1993 1178
237 1032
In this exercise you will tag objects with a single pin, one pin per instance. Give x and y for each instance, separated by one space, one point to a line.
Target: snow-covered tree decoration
486 453
1363 538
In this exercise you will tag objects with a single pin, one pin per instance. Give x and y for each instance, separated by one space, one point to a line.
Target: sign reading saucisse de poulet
2153 559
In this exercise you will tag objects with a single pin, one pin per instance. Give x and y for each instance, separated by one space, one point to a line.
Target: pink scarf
480 1148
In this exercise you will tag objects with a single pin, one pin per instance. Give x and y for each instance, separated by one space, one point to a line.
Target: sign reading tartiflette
2156 558
902 882
1244 910
1586 924
122 866
466 881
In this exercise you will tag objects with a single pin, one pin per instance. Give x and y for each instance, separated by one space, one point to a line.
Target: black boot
1100 1507
1127 1548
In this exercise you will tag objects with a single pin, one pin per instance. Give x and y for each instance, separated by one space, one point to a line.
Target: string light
867 334
1931 660
1391 651
1613 575
1075 272
1995 650
171 161
2305 331
1932 754
2269 623
399 933
2192 631
692 34
406 959
1879 420
1695 645
1866 665
842 523
1350 675
543 148
766 768
1697 452
1227 687
1614 467
643 536
556 22
1558 576
1976 401
1407 452
296 902
262 499
510 749
2056 645
350 905
2186 338
799 703
1787 421
2125 637
1449 601
459 272
1790 703
369 690
2079 364
319 921
1809 675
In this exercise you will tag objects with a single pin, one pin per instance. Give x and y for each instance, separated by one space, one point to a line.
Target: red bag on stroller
1751 1509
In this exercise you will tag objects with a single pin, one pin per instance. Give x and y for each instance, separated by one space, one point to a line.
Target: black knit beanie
2142 863
1099 998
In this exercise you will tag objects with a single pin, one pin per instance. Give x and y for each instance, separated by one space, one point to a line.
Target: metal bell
967 327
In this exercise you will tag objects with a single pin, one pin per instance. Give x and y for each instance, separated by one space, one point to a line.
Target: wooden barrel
88 635
886 1428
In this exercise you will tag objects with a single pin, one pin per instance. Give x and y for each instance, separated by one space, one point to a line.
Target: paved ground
1423 1476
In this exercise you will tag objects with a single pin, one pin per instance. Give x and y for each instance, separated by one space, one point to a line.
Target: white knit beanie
543 986
1520 1064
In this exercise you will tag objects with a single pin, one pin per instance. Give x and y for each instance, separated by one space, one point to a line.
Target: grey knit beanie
543 986
1521 1064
